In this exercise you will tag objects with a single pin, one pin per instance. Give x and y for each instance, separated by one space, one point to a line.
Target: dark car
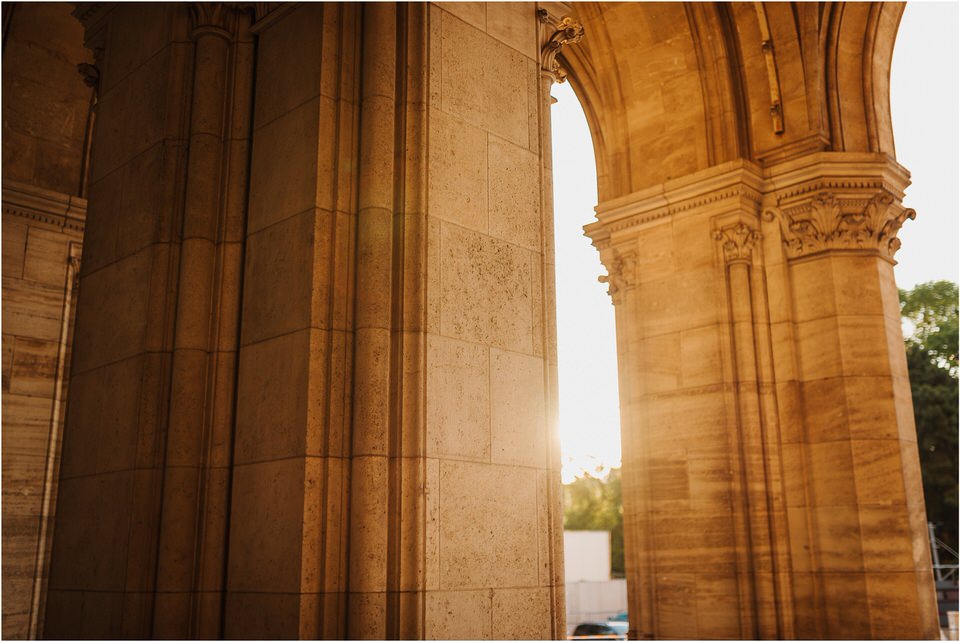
596 631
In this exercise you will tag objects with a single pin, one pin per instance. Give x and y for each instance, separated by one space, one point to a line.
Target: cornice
59 210
854 178
729 181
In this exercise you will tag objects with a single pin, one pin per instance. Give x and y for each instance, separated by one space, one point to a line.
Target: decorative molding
567 31
621 275
44 206
827 222
737 241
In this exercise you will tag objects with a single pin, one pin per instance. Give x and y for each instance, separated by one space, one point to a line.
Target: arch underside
670 89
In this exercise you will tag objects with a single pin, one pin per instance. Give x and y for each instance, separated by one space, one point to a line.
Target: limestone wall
46 110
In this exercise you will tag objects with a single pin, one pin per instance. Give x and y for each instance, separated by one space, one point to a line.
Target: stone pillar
140 538
765 403
849 440
321 329
691 569
287 569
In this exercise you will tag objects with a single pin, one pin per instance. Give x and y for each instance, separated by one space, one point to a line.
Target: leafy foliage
931 308
593 503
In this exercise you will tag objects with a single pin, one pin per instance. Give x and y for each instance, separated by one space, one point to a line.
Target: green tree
931 311
594 503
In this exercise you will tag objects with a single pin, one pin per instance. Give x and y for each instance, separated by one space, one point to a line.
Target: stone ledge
61 211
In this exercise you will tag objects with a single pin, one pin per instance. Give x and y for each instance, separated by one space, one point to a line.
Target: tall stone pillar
140 539
765 403
313 378
853 492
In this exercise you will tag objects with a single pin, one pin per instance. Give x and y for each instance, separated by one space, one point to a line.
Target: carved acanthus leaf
738 241
567 32
829 223
621 275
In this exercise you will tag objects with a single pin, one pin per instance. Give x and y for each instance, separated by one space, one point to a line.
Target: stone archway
316 305
749 205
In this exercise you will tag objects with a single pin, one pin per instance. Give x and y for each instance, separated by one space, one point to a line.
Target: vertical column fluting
371 444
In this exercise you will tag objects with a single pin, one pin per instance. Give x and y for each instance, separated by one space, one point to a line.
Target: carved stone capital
566 31
827 222
213 18
738 241
621 275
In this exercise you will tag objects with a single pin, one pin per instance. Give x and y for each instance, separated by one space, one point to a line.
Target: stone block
887 541
34 367
514 184
93 517
717 606
488 89
485 542
278 285
485 290
31 309
818 349
283 172
676 606
458 399
518 431
266 527
699 358
258 615
521 613
863 345
272 393
831 474
878 471
473 13
514 24
459 615
457 188
288 61
14 244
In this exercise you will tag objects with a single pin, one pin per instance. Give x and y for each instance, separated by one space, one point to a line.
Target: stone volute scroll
567 31
828 222
737 241
621 275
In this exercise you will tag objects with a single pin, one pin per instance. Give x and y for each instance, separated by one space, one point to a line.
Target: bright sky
925 120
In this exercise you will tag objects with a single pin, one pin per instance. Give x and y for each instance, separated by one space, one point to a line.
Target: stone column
766 404
830 235
288 523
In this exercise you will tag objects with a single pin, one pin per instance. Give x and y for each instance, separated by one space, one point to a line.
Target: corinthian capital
621 275
738 241
827 222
